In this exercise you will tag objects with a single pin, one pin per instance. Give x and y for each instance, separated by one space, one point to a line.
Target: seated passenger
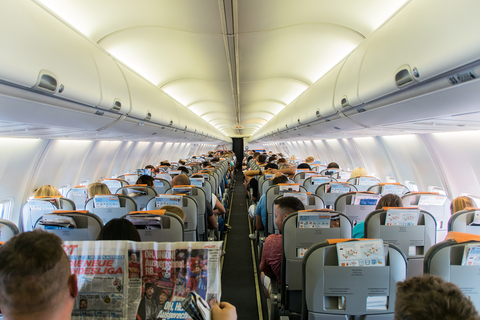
175 210
35 279
183 169
428 297
460 203
145 179
309 160
388 200
271 262
119 229
97 188
47 191
358 172
184 180
331 165
304 166
261 210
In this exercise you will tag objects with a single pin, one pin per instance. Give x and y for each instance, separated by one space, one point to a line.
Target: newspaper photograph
144 281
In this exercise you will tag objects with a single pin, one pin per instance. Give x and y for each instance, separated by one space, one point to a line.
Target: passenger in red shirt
271 262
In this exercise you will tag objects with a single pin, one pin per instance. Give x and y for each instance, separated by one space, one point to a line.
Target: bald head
181 180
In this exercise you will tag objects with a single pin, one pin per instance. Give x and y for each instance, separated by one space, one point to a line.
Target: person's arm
223 311
212 222
258 222
264 266
288 171
219 209
249 174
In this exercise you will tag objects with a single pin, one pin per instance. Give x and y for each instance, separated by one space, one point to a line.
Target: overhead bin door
346 88
425 39
321 99
39 50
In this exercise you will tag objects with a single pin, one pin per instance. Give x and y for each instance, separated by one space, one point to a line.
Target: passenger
145 179
35 279
152 169
428 297
183 179
271 262
97 188
358 172
181 162
165 163
183 169
309 159
460 203
119 229
175 210
272 159
282 163
388 200
333 165
304 166
47 191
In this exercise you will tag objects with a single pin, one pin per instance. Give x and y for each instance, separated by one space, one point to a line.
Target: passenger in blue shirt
261 210
388 200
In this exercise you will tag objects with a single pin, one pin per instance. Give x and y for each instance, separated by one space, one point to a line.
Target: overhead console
55 76
417 59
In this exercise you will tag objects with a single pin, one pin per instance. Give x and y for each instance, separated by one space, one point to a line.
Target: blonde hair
309 159
47 191
292 157
175 210
97 188
461 203
358 172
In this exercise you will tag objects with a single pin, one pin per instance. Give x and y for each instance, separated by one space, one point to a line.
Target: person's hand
223 311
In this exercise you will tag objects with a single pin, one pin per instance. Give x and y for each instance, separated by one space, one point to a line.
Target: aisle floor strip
255 273
226 235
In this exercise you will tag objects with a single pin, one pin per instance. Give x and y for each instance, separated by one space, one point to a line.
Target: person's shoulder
274 239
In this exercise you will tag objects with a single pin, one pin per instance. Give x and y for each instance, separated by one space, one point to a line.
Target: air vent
286 126
344 102
99 113
298 121
171 122
403 78
47 82
462 77
360 110
317 113
337 128
117 105
327 120
149 115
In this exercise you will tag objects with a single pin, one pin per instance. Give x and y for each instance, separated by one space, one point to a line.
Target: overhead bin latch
46 82
117 105
405 76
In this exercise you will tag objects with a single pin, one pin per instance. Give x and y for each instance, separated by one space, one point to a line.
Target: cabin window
64 190
5 208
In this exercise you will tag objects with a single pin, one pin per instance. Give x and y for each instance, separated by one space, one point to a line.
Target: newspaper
361 253
402 217
471 255
142 280
106 201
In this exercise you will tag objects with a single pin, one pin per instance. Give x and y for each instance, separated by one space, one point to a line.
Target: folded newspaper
142 280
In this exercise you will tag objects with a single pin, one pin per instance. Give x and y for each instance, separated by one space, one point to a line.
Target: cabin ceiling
234 63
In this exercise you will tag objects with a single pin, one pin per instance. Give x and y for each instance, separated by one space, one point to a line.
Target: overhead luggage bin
114 89
419 43
321 99
44 54
346 86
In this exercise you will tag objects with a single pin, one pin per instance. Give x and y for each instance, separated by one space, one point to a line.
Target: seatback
200 197
413 240
301 176
88 225
164 176
357 205
78 195
114 184
127 204
131 178
329 192
363 183
188 205
341 175
266 183
171 225
34 208
436 204
329 172
161 185
445 259
140 193
312 183
272 193
295 242
460 221
386 188
8 229
324 282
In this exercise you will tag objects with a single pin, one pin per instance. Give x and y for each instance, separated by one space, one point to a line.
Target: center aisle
238 282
